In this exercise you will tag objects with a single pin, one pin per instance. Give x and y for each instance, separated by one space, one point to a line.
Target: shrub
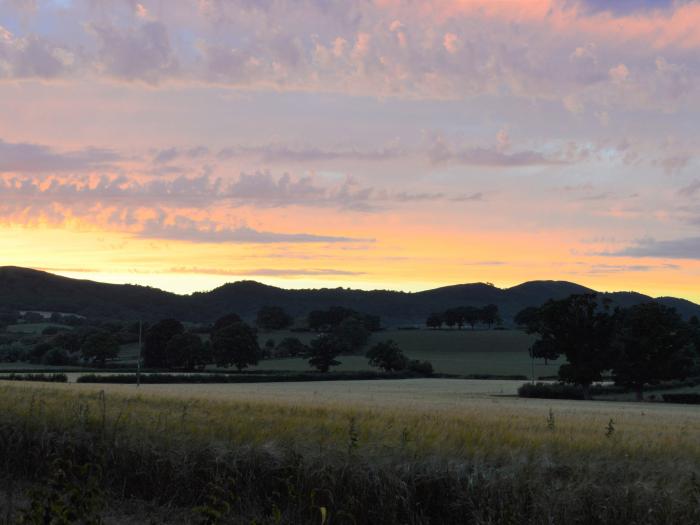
691 398
424 368
46 378
551 391
56 357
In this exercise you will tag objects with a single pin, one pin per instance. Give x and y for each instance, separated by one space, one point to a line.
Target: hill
26 289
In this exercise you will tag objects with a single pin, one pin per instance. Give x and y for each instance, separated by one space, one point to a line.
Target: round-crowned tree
235 344
388 356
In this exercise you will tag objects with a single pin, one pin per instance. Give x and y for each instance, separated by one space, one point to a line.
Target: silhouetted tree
653 344
434 321
273 318
388 356
453 317
291 346
36 354
470 315
225 321
188 351
98 347
527 318
489 315
353 333
328 320
155 354
56 357
69 341
322 352
235 344
581 328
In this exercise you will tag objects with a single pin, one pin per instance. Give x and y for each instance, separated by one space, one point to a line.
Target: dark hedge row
46 378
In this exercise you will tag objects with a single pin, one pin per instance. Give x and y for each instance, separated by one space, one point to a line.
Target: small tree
98 347
434 321
235 344
654 344
323 351
273 318
388 356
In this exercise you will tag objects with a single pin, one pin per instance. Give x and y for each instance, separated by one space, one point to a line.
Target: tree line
637 346
233 342
464 315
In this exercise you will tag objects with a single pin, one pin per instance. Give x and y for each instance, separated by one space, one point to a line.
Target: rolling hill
27 289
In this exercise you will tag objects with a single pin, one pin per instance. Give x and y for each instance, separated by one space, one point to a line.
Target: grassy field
34 328
414 451
461 352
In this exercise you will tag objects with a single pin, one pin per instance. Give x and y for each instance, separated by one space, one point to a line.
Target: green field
461 352
34 328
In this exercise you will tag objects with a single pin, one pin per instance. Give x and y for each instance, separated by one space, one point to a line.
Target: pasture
34 328
460 352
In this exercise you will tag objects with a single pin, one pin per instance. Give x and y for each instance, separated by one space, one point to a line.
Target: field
34 328
407 451
461 352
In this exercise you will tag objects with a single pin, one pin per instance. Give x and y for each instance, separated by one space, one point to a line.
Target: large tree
353 333
489 315
155 353
528 318
99 346
323 350
653 344
225 321
273 318
235 344
581 328
187 351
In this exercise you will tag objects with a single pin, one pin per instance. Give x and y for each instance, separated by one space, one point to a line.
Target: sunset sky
370 144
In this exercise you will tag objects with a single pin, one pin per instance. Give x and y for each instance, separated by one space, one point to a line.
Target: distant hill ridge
27 289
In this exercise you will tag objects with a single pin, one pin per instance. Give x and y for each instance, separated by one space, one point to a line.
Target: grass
459 352
34 328
419 451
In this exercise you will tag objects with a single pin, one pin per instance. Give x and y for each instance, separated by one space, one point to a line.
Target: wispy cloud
185 229
683 248
31 158
266 272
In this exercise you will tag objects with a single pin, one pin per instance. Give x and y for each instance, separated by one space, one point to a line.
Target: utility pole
138 361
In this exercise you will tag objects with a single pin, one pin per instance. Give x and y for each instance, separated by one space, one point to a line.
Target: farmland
461 352
465 446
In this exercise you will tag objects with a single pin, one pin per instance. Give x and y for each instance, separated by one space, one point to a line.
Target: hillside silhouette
28 289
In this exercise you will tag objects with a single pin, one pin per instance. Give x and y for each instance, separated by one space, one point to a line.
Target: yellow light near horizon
402 260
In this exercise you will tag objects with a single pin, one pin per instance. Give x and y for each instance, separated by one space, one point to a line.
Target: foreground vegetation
250 461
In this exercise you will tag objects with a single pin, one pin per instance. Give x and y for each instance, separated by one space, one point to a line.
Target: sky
367 144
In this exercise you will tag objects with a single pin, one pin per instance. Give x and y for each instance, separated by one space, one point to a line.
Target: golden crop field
539 459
